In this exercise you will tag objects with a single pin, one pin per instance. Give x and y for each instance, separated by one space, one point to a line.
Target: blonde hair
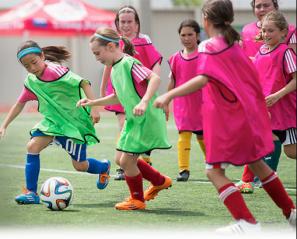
278 19
107 35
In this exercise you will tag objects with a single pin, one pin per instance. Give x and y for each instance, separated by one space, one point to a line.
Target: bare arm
191 86
90 95
293 46
15 110
157 69
290 87
153 84
107 100
105 78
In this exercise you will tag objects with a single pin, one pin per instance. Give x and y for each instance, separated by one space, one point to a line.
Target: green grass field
193 204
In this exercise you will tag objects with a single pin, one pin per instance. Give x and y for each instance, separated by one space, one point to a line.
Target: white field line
87 174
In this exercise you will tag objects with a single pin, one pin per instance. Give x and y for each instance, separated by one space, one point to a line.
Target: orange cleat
153 191
130 204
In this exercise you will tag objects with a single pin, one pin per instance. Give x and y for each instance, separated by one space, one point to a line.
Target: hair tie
227 23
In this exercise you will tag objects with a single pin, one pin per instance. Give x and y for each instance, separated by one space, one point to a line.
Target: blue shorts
76 151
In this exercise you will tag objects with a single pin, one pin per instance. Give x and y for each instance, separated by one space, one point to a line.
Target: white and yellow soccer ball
56 193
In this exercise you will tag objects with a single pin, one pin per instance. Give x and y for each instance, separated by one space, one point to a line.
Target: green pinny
144 133
57 103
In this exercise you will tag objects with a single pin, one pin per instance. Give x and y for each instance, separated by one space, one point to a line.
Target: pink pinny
249 43
236 124
146 53
186 109
270 66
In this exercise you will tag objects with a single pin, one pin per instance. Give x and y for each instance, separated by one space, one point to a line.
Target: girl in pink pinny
276 64
236 124
186 109
250 31
251 45
128 25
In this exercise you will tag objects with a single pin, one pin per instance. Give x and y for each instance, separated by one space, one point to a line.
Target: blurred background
159 19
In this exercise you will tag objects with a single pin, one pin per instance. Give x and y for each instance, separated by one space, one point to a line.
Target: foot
292 218
130 204
27 197
240 227
103 179
183 176
119 174
153 191
244 187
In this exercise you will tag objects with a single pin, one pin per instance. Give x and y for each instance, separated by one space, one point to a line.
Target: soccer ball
56 193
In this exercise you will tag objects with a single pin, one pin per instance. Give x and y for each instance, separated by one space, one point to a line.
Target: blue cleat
103 179
27 197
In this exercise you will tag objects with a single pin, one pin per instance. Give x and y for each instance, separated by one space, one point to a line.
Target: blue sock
32 171
97 166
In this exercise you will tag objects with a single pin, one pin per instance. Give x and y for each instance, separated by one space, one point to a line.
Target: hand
162 102
272 99
95 115
84 102
140 108
166 111
2 132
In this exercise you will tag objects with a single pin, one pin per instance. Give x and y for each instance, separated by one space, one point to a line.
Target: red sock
247 175
135 186
149 173
233 200
274 187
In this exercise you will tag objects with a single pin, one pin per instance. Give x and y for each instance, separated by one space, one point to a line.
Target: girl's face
262 7
34 63
128 27
104 54
272 35
189 38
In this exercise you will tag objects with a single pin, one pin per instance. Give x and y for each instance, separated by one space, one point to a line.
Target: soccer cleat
244 187
103 179
153 191
119 174
183 176
27 197
130 204
292 218
240 227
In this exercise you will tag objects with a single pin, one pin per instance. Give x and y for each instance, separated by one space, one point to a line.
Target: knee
32 147
209 174
291 155
290 151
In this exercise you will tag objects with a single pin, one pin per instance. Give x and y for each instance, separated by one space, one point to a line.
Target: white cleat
292 218
240 227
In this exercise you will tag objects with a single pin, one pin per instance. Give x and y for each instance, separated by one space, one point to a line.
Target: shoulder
145 38
212 45
249 26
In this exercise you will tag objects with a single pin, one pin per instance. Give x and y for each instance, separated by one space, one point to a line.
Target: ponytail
128 47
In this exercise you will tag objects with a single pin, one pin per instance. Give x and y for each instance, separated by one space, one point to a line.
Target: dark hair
278 19
275 4
51 53
220 13
113 35
126 9
190 23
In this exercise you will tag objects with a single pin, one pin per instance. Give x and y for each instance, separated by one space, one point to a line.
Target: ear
111 46
42 56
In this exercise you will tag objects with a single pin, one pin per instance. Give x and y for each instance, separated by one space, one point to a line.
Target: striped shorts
291 136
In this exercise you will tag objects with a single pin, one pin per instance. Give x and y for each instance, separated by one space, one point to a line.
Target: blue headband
107 38
27 51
